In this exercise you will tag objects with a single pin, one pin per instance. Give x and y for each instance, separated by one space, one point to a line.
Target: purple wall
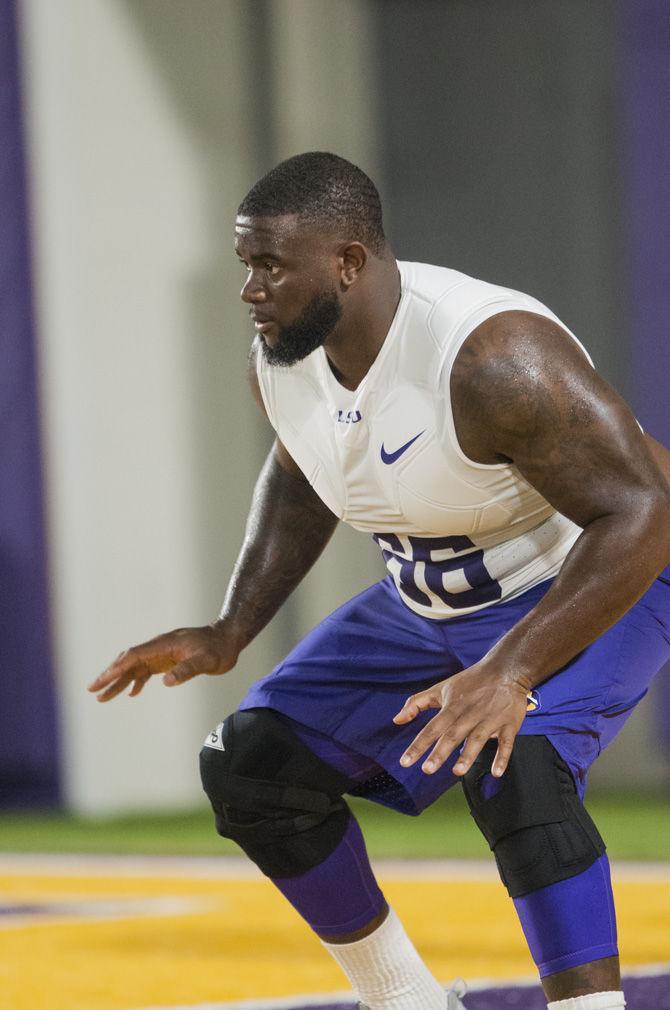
646 96
28 740
645 49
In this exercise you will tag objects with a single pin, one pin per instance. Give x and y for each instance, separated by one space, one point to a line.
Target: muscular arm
287 529
524 392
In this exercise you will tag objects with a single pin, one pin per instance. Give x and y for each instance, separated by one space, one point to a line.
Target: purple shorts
352 673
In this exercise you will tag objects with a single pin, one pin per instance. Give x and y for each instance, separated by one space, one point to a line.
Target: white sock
386 971
598 1001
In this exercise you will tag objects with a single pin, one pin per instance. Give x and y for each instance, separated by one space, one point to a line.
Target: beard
309 331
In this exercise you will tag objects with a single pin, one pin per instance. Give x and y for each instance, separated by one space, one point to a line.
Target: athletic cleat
454 994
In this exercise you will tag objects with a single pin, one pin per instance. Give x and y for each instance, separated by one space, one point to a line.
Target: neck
358 338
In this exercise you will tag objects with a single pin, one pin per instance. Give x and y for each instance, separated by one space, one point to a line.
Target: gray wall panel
501 151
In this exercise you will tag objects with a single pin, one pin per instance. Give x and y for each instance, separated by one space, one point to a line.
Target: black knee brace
270 794
532 817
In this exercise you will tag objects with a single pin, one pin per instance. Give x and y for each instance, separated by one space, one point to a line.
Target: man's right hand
179 655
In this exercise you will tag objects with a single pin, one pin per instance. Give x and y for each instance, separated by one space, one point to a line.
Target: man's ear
352 257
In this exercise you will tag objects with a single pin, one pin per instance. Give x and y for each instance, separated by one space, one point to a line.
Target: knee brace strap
272 795
532 818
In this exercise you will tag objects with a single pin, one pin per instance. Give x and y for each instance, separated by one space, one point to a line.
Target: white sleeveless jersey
456 535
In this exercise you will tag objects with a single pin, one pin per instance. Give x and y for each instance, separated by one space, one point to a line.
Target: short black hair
323 189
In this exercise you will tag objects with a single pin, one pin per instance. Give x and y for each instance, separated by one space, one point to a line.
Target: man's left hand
475 705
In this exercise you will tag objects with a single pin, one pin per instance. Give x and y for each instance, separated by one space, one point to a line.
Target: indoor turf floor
130 933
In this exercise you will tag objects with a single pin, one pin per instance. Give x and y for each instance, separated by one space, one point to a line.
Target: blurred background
526 142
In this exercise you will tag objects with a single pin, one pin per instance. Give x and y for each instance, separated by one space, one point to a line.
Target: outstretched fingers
475 742
133 666
139 682
506 739
445 739
138 679
475 707
417 703
439 734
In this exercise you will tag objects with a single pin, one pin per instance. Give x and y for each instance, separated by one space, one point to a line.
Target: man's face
291 285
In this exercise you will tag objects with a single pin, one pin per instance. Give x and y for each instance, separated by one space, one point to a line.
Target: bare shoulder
518 374
516 369
524 392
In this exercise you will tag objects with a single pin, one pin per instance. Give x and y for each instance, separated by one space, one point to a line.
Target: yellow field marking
251 944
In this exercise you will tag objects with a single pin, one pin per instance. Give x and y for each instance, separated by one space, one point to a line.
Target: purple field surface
641 994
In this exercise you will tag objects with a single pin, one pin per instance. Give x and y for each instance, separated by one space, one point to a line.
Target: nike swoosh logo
391 457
